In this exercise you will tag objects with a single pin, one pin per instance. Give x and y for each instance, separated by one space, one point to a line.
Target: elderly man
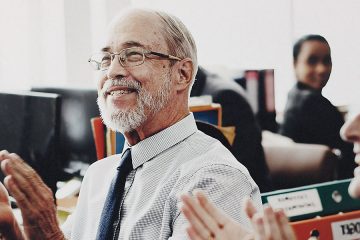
147 69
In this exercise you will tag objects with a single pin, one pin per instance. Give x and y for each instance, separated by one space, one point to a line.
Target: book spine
99 137
120 141
314 200
344 226
252 89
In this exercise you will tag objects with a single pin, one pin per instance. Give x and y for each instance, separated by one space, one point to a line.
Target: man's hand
33 197
208 222
9 228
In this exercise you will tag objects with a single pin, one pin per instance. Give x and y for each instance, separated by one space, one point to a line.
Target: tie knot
126 161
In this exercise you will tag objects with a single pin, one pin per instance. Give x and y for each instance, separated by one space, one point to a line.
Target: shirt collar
302 85
150 147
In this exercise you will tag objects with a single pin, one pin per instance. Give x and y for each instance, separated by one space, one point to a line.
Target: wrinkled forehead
136 28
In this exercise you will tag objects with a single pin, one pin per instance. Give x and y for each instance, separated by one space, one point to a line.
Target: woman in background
309 117
207 222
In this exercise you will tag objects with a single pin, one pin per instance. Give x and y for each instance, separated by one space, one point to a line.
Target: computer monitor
29 126
78 106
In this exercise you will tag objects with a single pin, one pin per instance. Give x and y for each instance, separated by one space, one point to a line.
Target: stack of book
260 91
326 208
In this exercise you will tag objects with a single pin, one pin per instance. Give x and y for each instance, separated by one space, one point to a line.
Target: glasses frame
145 53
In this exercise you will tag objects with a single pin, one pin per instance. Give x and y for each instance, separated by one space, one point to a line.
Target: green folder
313 200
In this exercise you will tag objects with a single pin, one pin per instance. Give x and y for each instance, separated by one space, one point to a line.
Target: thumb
4 195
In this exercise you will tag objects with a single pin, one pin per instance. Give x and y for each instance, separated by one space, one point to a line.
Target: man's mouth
120 92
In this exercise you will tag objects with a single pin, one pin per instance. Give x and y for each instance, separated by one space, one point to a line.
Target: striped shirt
176 160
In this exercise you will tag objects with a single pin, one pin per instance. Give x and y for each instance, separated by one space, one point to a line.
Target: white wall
239 34
50 41
339 23
32 43
260 34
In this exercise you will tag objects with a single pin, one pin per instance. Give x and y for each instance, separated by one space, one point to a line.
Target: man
148 66
309 117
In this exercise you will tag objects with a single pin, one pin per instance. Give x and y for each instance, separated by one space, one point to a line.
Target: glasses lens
100 61
133 57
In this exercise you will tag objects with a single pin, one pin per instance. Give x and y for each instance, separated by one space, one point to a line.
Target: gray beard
127 120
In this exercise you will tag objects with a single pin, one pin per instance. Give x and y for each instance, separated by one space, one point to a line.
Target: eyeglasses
128 57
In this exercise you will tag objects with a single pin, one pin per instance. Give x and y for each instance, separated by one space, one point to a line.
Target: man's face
129 96
313 65
351 132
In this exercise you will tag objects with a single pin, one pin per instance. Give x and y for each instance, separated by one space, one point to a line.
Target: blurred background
49 42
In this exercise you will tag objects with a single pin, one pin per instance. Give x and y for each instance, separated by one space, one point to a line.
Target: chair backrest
214 132
76 138
30 127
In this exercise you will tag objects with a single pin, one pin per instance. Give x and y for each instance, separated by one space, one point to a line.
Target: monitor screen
78 106
30 127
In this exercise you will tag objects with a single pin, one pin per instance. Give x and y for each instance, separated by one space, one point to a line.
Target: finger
25 176
270 223
203 215
286 230
357 171
196 224
9 227
258 225
4 195
3 154
354 187
216 214
249 207
193 234
19 196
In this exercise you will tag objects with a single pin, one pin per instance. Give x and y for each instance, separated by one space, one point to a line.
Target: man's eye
134 56
312 60
106 61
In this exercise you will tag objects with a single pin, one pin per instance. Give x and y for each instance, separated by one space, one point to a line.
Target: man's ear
184 73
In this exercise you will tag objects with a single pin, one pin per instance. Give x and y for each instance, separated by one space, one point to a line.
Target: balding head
178 38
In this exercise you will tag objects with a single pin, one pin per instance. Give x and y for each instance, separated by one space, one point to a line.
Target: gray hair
179 39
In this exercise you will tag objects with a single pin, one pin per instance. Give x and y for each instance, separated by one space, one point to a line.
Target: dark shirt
311 118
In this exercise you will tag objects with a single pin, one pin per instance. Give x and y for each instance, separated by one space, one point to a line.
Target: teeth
119 92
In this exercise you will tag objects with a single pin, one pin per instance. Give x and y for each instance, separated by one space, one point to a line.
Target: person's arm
33 197
208 222
225 183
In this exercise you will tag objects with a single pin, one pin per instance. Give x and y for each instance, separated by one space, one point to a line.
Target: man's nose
116 70
351 130
322 68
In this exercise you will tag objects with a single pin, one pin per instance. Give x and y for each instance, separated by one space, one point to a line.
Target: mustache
120 83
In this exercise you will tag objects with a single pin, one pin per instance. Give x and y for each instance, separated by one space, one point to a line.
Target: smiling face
351 132
313 64
129 96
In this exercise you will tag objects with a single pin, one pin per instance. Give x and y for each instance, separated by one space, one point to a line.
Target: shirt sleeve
66 227
226 187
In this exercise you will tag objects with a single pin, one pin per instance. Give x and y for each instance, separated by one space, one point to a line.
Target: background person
309 117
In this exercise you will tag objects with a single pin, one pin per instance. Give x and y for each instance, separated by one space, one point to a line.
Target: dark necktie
110 217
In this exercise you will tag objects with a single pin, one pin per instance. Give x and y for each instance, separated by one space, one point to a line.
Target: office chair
214 132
